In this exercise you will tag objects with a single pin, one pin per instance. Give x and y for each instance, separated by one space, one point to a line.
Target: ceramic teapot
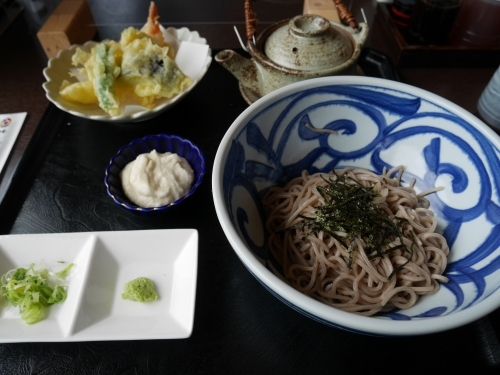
304 47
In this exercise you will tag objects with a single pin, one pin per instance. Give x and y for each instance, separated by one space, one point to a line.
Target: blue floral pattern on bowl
161 143
373 126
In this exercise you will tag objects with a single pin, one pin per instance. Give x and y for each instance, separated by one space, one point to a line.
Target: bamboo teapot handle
345 15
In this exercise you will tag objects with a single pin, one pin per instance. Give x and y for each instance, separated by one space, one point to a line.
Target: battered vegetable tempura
136 70
147 68
105 73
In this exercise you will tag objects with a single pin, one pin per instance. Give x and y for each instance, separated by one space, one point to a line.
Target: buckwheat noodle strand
318 264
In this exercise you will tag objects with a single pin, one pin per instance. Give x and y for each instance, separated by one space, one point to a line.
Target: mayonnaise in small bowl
155 179
154 173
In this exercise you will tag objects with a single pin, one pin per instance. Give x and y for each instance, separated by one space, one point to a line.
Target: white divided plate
104 261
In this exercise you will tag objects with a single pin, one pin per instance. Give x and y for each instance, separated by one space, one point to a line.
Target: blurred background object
477 24
9 10
37 11
213 20
70 23
489 102
432 20
401 11
388 38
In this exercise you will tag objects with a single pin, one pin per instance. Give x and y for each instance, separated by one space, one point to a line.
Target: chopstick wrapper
10 125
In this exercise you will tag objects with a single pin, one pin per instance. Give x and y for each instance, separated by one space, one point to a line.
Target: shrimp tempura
152 27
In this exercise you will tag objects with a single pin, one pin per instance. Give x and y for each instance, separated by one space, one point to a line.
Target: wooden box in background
70 23
324 8
387 38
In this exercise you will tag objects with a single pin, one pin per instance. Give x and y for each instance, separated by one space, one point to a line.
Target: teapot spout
243 69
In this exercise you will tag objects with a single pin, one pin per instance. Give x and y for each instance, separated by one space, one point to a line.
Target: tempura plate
104 261
59 67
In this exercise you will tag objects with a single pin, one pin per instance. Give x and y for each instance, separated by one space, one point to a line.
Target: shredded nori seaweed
348 207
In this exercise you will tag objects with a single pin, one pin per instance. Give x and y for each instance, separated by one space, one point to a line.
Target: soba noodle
319 265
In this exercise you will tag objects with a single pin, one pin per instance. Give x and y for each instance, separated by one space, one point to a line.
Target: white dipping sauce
154 179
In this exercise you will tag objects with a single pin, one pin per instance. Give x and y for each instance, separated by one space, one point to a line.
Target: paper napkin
10 125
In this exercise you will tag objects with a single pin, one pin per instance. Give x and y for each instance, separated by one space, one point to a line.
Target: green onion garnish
33 290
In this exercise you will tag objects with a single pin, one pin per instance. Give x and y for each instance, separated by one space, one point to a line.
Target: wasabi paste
140 289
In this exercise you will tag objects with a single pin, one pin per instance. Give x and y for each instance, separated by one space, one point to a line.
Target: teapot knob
308 25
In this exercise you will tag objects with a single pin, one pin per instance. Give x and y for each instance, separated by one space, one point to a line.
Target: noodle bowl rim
289 295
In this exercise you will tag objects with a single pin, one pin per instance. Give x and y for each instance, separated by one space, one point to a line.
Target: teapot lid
309 42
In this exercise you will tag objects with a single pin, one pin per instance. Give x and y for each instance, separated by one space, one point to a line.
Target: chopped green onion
33 290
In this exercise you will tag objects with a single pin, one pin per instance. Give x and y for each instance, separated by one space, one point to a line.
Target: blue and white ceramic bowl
161 143
379 123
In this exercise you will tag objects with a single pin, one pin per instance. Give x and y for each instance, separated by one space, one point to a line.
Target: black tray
239 327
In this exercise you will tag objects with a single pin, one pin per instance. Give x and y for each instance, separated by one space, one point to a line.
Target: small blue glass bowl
161 143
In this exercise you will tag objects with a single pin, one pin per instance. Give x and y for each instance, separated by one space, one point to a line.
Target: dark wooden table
54 184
